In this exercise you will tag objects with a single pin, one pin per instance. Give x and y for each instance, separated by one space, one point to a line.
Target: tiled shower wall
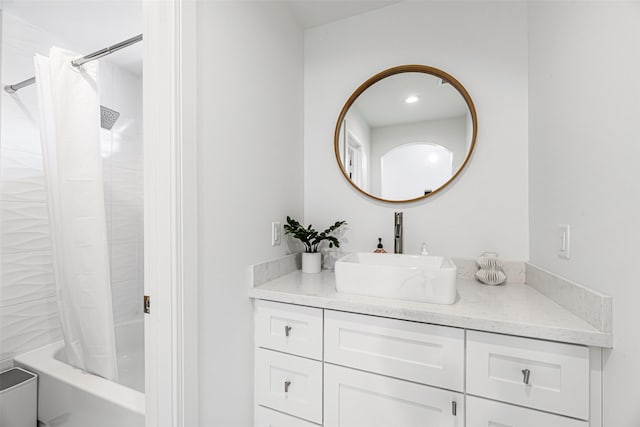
28 310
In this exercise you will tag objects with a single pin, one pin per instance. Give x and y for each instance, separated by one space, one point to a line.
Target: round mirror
405 133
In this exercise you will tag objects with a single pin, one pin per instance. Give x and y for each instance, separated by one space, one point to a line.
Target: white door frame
170 213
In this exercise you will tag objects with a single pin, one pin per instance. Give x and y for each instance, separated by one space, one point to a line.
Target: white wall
28 308
584 104
484 45
250 103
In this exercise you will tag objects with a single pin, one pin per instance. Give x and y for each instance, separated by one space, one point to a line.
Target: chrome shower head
108 117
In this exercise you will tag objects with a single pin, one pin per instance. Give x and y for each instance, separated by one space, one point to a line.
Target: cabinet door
359 399
290 384
269 418
544 375
488 413
289 328
427 354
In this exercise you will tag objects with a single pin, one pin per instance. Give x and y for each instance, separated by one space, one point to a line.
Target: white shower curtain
70 133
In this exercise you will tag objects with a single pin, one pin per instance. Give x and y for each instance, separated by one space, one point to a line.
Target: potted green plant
311 239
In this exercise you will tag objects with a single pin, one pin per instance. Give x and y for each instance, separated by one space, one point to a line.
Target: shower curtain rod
78 62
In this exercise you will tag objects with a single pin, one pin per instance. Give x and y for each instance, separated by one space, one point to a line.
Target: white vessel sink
412 277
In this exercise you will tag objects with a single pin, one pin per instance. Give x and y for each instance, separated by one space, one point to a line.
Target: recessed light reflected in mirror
433 158
411 99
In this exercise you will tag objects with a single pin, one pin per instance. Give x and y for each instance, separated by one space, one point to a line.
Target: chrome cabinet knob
286 386
287 329
525 376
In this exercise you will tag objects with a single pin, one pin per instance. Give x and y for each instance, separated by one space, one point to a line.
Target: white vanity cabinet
489 413
318 366
288 363
544 375
289 328
290 384
372 365
419 352
353 398
265 417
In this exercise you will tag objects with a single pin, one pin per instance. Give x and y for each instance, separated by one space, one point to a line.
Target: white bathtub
70 397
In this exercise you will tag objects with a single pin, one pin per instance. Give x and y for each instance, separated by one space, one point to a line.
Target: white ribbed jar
490 272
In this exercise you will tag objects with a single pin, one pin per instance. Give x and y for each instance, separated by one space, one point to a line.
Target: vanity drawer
289 328
488 413
498 367
417 352
266 417
289 384
354 398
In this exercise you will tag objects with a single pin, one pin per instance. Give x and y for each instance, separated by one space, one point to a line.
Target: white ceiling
86 25
90 25
312 13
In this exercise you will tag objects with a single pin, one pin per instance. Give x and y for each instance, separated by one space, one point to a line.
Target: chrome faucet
397 233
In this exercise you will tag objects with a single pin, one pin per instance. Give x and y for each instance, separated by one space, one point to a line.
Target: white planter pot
311 262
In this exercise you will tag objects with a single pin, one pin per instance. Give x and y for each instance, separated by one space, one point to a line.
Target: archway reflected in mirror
410 169
405 133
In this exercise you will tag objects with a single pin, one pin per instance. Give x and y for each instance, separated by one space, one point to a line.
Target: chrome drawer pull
286 386
287 329
525 376
454 408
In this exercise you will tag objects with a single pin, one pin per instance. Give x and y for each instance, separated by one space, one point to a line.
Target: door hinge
147 304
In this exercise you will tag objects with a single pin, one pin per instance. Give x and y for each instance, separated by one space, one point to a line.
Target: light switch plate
564 241
276 233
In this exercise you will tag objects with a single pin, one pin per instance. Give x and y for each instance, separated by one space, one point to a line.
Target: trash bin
18 398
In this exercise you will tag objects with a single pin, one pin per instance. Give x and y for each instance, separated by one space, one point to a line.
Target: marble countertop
514 309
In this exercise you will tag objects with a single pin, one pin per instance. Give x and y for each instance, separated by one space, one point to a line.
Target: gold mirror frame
388 73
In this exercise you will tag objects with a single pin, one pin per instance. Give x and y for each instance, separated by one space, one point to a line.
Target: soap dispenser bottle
423 249
380 249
